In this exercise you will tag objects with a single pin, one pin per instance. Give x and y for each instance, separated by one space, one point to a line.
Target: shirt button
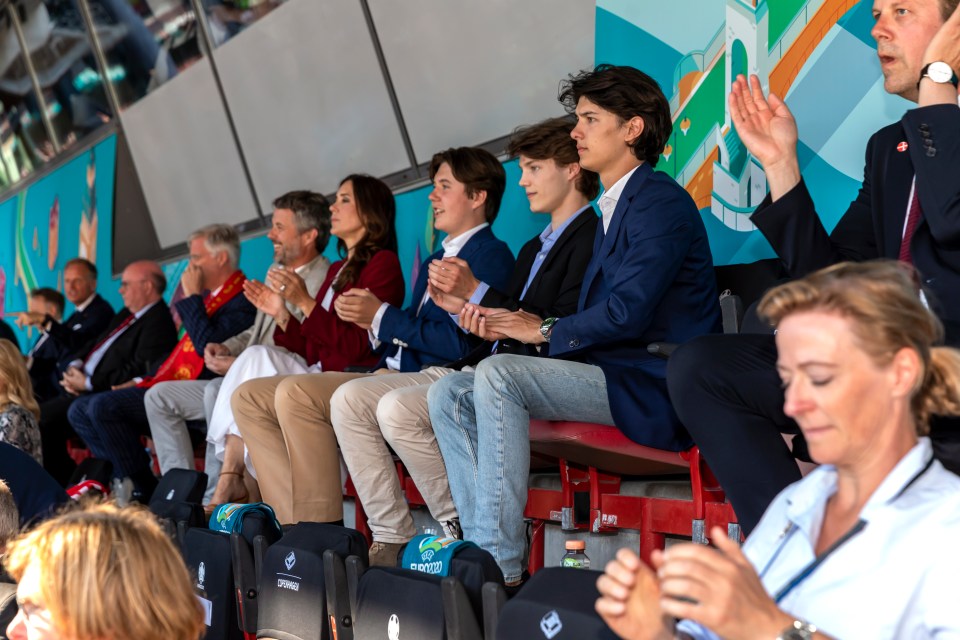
395 341
574 343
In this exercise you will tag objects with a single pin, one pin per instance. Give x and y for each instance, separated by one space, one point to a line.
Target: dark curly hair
627 93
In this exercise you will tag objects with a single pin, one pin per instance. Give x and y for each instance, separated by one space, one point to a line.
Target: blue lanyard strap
861 524
820 559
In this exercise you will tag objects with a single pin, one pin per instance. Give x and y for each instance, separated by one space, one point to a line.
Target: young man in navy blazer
650 279
291 415
546 280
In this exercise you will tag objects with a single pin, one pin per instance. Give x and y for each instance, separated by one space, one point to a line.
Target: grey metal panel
308 98
186 158
467 72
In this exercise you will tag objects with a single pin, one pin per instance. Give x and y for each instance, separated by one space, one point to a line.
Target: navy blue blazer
6 333
650 279
235 316
431 337
45 370
35 492
80 327
872 226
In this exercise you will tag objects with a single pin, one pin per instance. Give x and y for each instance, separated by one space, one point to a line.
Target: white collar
613 193
86 303
140 314
452 246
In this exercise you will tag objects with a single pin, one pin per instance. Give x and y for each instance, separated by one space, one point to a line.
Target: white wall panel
308 98
467 72
186 158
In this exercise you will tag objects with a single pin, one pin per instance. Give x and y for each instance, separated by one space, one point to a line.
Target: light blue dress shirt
895 579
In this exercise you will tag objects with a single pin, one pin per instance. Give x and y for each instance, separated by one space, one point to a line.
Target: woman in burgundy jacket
362 219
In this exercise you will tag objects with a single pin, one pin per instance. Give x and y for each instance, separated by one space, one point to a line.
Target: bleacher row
338 595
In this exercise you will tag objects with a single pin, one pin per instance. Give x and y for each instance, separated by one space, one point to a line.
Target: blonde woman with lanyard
863 547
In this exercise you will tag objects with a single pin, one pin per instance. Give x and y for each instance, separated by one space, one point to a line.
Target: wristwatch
940 72
799 630
546 326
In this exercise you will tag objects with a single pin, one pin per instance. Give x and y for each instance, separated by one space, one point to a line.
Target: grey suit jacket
261 332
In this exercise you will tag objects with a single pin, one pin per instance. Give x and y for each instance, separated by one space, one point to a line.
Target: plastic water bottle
575 558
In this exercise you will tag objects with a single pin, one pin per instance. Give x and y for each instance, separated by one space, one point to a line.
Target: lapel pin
902 146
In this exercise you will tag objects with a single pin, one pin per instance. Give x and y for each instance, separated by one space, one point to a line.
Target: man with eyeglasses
134 343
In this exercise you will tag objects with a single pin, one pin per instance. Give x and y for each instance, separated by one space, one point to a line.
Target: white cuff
377 318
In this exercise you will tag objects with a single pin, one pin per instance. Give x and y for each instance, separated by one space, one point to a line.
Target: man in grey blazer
300 231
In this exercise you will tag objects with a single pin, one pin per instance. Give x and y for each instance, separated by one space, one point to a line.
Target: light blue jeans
482 423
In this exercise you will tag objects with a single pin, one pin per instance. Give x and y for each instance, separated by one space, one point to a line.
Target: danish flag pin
902 146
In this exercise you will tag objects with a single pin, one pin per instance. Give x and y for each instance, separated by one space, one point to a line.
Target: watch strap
924 73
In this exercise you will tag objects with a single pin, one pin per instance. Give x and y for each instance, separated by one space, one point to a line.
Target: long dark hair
378 212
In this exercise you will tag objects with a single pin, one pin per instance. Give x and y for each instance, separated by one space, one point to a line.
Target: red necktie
913 219
123 325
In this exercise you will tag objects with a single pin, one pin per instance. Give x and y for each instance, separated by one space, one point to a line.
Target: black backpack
180 485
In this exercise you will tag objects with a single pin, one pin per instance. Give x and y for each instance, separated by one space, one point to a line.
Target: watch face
940 72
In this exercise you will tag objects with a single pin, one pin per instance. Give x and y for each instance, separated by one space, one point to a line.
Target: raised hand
290 286
27 318
453 276
191 281
944 47
769 131
263 298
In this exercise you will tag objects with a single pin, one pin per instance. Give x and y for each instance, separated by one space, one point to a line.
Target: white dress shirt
895 579
608 201
86 303
451 247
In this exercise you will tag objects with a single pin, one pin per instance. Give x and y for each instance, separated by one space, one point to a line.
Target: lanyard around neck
860 525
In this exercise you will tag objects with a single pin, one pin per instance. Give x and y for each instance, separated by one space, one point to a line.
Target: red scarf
184 363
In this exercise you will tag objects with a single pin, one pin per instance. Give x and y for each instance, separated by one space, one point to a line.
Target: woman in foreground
101 573
863 546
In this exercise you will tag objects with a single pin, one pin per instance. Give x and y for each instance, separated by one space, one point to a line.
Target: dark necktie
123 325
913 219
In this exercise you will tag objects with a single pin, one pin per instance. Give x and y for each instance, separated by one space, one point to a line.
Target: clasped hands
74 380
716 587
217 358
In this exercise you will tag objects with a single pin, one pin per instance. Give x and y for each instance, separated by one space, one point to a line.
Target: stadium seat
293 582
397 603
557 604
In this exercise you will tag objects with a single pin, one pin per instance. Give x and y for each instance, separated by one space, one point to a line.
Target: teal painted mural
66 214
800 49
